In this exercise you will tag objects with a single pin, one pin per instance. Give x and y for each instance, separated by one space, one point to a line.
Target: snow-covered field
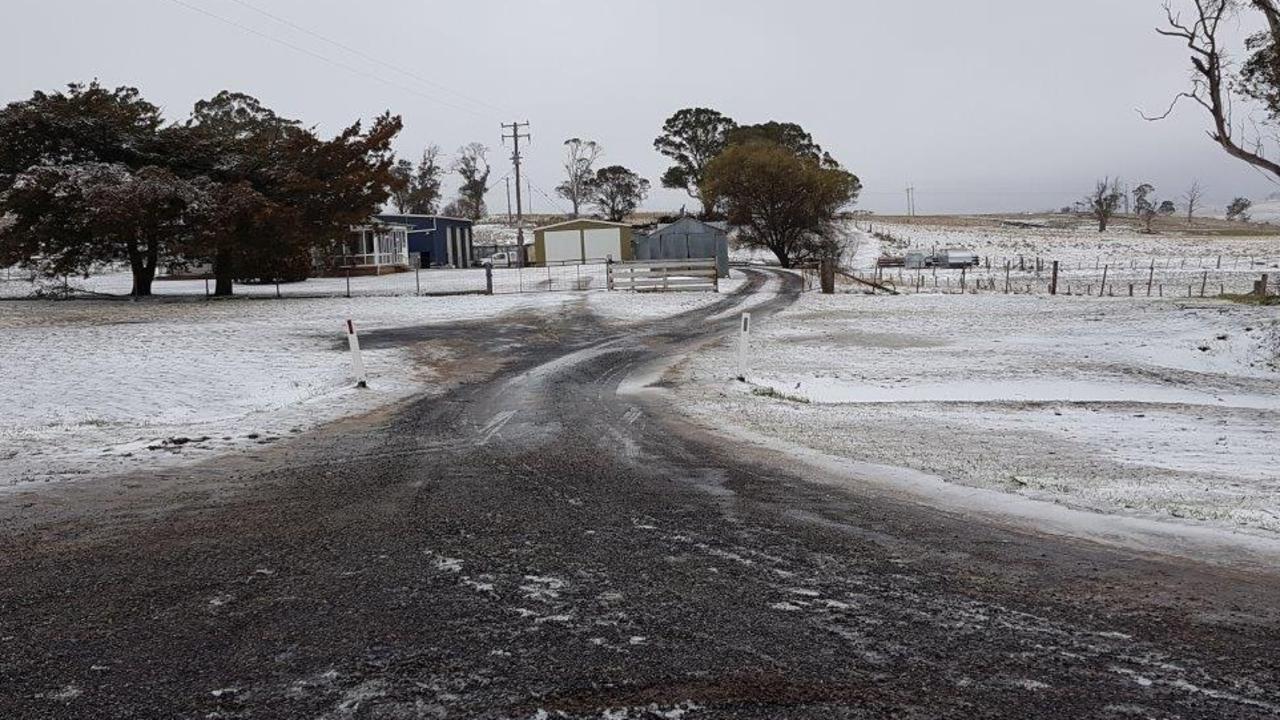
92 387
1159 408
1174 263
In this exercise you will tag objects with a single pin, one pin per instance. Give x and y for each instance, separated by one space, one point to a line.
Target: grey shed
686 239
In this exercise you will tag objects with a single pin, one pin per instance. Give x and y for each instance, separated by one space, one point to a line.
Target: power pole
911 201
508 180
515 137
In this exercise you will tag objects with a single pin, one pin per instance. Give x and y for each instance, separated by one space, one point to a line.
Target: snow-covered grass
95 387
92 387
1167 409
1175 264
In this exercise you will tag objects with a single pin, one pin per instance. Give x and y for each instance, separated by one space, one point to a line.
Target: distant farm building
686 239
582 241
438 241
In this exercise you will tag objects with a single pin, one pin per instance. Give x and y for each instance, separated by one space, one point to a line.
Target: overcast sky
984 105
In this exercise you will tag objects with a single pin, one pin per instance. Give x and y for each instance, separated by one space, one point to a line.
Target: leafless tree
579 169
472 164
1214 78
1104 201
1192 197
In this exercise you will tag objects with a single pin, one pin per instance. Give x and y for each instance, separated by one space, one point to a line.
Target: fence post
744 341
357 363
417 277
1103 290
488 279
206 288
348 282
1204 283
1151 276
1053 284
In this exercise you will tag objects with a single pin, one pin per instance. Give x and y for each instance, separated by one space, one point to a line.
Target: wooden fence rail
665 276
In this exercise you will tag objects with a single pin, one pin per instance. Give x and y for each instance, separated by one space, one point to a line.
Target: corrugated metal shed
687 239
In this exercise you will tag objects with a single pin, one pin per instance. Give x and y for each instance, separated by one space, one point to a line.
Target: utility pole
508 179
911 201
516 136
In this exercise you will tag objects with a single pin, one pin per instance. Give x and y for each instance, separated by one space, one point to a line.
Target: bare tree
1213 78
1104 201
579 169
1192 198
472 165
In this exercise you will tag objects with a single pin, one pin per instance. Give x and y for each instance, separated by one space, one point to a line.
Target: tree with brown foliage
781 200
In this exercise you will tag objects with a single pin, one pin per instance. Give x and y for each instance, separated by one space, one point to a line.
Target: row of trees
1108 197
94 175
614 191
781 190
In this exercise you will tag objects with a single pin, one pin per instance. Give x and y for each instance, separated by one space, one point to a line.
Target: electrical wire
360 53
323 58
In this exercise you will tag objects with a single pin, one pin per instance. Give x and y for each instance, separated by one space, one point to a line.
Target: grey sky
986 105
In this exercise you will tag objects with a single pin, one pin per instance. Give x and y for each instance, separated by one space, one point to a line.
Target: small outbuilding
437 240
687 239
582 241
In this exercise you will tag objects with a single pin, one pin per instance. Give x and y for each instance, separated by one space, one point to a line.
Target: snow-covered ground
1159 408
1174 263
93 387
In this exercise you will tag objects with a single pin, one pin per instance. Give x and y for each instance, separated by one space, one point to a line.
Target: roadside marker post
357 363
744 345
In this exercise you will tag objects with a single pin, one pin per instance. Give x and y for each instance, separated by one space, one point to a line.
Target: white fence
665 276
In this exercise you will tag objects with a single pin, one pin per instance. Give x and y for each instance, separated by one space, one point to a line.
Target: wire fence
117 283
1113 277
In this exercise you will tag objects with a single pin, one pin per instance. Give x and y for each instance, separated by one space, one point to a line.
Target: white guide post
357 364
744 345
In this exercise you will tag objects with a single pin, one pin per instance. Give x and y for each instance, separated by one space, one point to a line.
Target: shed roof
717 226
583 221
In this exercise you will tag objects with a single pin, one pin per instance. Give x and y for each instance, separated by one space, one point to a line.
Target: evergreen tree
617 192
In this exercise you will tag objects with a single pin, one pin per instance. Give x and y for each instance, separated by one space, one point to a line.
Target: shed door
563 245
600 245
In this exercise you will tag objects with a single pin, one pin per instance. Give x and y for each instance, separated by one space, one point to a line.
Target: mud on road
535 544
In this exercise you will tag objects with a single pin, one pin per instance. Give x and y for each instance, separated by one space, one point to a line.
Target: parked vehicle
501 259
950 258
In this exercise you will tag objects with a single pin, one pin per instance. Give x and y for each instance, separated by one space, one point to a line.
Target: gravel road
535 544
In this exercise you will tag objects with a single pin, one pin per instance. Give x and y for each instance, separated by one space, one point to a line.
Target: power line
555 203
311 53
360 53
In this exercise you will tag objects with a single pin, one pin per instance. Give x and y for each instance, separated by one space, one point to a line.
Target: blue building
439 241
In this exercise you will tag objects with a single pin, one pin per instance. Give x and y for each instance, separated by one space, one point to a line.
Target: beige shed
582 241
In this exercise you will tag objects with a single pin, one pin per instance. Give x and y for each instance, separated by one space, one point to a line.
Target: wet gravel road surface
535 544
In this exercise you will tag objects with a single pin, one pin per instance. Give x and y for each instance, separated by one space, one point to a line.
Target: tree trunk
1102 223
223 275
143 268
142 279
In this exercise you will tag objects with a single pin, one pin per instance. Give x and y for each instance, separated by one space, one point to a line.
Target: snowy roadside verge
1165 411
94 388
